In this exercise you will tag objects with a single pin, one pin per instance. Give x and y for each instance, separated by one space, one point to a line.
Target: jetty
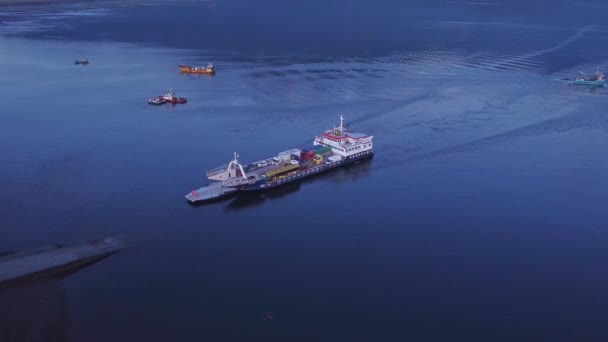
54 259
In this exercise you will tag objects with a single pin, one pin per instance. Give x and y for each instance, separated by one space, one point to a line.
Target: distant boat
81 61
595 80
168 97
208 70
171 98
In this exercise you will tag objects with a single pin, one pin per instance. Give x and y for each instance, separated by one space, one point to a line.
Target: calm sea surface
482 216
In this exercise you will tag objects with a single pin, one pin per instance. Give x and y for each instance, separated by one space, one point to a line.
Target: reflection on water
582 89
193 76
352 172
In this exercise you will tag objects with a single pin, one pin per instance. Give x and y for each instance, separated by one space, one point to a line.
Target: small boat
158 100
208 70
81 61
595 80
171 98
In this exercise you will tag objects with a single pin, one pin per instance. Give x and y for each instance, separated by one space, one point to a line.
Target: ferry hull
176 100
263 184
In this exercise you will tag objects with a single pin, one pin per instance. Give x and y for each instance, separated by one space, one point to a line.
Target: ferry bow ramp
207 193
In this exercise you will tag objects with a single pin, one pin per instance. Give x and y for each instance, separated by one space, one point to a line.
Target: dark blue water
481 217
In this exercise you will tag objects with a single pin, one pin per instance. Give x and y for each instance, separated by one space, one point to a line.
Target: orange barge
208 70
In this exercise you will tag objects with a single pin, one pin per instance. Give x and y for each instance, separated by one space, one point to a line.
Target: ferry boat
208 70
333 148
595 80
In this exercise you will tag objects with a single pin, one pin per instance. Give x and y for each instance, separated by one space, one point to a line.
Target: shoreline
54 2
42 2
31 2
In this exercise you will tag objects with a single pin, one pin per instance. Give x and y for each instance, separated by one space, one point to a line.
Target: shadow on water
35 309
54 273
36 312
348 173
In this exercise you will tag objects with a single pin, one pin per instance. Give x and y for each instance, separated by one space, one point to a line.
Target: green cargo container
322 150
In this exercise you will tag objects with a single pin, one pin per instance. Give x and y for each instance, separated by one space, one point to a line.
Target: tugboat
81 61
595 80
208 70
171 98
333 148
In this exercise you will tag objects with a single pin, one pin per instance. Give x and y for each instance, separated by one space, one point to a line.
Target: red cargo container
307 155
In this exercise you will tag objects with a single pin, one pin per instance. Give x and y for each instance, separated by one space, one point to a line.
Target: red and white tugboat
170 97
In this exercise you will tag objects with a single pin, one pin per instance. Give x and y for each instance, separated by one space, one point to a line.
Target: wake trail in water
564 123
528 58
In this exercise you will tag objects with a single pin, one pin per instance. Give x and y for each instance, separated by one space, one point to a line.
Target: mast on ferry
236 163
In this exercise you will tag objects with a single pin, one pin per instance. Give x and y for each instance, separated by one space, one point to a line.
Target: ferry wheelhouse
346 143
